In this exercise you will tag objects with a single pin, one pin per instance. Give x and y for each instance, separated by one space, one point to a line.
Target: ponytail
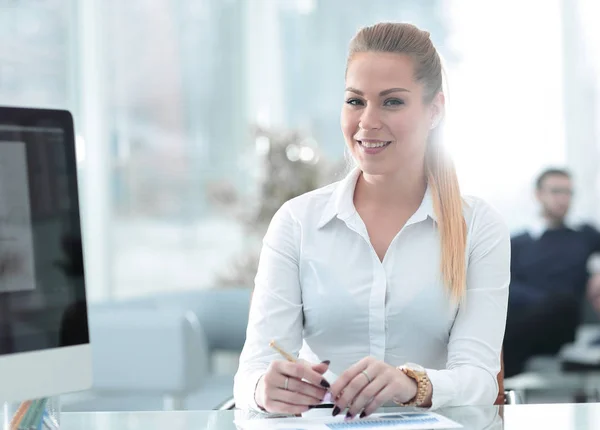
448 208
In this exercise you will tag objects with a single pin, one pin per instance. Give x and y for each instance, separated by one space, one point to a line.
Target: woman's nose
370 119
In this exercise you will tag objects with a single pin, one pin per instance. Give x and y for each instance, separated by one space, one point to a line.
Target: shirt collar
341 202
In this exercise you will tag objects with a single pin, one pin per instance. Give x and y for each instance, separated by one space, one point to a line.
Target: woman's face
384 119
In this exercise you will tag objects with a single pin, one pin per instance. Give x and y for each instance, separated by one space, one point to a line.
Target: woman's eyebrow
383 93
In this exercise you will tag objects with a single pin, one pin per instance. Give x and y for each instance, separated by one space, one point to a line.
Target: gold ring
285 384
364 372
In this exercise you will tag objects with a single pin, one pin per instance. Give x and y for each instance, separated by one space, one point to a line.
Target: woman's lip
373 150
373 140
386 142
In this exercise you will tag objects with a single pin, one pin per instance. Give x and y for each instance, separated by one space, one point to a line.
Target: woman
388 267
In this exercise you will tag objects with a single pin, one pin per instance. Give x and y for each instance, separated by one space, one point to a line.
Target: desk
516 417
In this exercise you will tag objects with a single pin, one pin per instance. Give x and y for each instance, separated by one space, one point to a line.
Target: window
162 121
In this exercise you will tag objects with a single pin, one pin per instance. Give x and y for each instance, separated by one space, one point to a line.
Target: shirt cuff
245 391
443 388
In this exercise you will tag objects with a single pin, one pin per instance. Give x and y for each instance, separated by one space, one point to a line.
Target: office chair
505 397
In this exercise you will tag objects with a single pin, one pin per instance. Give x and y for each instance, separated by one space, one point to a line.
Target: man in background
548 275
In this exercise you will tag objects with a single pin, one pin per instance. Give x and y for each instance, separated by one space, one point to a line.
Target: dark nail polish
335 411
348 416
324 383
362 414
327 362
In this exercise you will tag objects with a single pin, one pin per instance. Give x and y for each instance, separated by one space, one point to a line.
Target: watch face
415 367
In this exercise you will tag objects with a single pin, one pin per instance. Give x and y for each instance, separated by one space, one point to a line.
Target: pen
36 419
30 419
24 422
19 414
280 350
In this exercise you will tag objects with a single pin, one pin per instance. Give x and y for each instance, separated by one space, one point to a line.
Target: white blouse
323 294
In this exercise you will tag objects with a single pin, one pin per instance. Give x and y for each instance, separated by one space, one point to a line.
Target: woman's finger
349 375
275 380
367 395
354 390
377 401
321 368
294 398
301 371
306 389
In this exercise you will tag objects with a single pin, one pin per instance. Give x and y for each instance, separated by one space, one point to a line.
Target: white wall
505 118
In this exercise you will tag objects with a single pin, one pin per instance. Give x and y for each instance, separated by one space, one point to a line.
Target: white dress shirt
323 294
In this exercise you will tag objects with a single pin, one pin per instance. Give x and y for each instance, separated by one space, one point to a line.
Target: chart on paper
386 421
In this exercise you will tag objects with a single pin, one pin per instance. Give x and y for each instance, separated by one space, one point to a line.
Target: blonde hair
407 39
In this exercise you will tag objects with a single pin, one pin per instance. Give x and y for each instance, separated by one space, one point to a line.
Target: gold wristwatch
419 374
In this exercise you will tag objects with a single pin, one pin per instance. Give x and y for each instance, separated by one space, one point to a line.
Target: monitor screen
42 286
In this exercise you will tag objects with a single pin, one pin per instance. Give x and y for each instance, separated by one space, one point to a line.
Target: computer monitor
44 338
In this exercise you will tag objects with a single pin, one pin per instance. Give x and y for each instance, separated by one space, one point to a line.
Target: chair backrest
500 399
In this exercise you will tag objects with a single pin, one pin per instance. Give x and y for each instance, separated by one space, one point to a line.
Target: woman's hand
368 385
292 388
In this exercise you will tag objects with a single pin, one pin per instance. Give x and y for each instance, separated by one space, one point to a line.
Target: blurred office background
168 96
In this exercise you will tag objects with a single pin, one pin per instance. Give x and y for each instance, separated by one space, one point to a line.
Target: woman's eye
354 102
393 102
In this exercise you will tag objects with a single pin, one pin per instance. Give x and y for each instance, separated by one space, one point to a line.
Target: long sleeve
595 239
475 344
276 308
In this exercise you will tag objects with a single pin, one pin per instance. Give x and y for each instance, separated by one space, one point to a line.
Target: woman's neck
398 191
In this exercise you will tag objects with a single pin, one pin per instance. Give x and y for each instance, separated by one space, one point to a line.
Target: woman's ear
437 109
